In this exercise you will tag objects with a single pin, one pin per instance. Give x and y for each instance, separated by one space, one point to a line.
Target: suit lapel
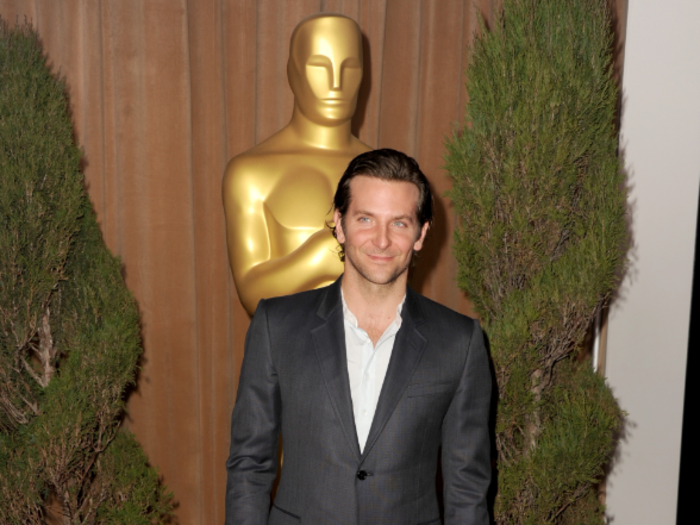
329 342
409 346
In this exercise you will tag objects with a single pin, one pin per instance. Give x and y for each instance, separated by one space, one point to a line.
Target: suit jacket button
361 475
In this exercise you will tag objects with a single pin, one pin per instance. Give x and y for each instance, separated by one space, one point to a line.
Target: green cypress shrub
69 328
538 191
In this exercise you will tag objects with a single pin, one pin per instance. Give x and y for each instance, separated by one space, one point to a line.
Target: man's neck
374 305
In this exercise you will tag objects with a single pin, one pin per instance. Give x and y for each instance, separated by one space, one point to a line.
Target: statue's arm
256 273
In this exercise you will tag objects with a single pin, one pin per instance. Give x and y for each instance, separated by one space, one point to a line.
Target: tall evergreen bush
69 328
537 187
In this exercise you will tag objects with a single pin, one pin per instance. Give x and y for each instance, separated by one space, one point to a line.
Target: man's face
380 230
325 69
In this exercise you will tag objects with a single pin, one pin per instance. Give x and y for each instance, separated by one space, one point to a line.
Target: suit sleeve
255 427
466 447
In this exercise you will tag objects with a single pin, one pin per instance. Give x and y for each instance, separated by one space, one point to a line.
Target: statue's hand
326 261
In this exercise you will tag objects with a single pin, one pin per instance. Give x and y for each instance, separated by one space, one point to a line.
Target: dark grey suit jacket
294 381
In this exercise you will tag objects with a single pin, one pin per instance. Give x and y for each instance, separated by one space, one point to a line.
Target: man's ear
423 232
339 233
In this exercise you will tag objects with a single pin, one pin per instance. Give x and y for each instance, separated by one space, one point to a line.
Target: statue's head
325 67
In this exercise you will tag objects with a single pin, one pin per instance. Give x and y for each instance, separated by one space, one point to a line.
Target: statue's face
325 69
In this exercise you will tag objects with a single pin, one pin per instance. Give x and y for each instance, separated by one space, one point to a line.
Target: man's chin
383 278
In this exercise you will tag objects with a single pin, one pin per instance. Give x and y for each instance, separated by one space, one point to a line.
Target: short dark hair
390 165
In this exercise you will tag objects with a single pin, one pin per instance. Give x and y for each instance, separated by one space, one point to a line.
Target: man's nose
381 238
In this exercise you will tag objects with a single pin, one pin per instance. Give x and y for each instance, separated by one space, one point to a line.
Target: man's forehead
366 188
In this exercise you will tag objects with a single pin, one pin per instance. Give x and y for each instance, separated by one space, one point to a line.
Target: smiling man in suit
369 383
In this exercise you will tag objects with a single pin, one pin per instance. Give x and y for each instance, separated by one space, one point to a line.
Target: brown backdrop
163 93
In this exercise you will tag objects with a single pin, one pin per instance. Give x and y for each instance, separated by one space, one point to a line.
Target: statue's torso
296 191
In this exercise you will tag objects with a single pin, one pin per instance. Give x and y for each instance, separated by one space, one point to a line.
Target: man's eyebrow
362 212
403 217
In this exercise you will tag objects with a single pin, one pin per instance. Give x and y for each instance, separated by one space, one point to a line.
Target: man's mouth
380 257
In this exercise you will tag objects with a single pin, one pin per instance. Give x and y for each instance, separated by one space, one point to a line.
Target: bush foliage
69 328
537 186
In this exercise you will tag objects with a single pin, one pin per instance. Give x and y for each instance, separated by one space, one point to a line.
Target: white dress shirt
367 366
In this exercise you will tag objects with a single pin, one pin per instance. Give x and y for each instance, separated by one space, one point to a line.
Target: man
366 380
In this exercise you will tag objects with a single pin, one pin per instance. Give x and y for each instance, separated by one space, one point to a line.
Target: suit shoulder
433 308
442 318
298 304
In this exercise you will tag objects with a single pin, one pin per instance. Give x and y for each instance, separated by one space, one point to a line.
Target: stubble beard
378 280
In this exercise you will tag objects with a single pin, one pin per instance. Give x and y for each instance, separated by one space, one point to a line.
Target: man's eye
364 219
400 224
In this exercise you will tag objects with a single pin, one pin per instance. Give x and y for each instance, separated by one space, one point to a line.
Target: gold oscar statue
278 195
